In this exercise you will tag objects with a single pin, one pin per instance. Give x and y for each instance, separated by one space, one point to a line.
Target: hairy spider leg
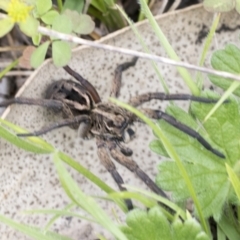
54 104
117 80
48 103
59 124
111 168
146 97
133 167
85 83
158 114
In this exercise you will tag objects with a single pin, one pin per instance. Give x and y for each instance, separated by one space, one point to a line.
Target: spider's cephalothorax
111 125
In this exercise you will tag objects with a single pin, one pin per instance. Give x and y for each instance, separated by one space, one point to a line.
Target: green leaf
206 171
168 48
223 127
6 26
234 178
74 5
226 60
238 6
29 144
32 232
29 26
230 229
4 5
61 52
39 54
49 17
84 201
86 25
82 23
219 6
153 224
62 24
36 39
157 147
43 6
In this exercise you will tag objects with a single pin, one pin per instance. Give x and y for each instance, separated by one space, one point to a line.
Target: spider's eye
128 135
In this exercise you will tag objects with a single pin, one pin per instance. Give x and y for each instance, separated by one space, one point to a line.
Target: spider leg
111 168
117 80
62 123
85 83
157 114
133 167
142 98
48 103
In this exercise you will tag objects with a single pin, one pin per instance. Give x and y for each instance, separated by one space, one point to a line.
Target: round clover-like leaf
73 5
43 6
61 52
39 54
82 23
6 26
63 24
36 39
86 25
49 17
29 26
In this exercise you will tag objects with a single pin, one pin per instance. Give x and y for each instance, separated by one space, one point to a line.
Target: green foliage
168 48
67 22
32 232
206 171
28 14
85 202
107 13
6 26
220 5
43 6
234 178
153 224
61 52
226 59
38 55
213 183
18 12
32 144
77 20
49 16
76 5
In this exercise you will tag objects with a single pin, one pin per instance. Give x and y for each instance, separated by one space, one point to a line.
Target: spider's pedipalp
158 114
84 130
124 150
62 123
111 168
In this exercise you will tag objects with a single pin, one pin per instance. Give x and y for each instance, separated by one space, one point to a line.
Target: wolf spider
110 124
